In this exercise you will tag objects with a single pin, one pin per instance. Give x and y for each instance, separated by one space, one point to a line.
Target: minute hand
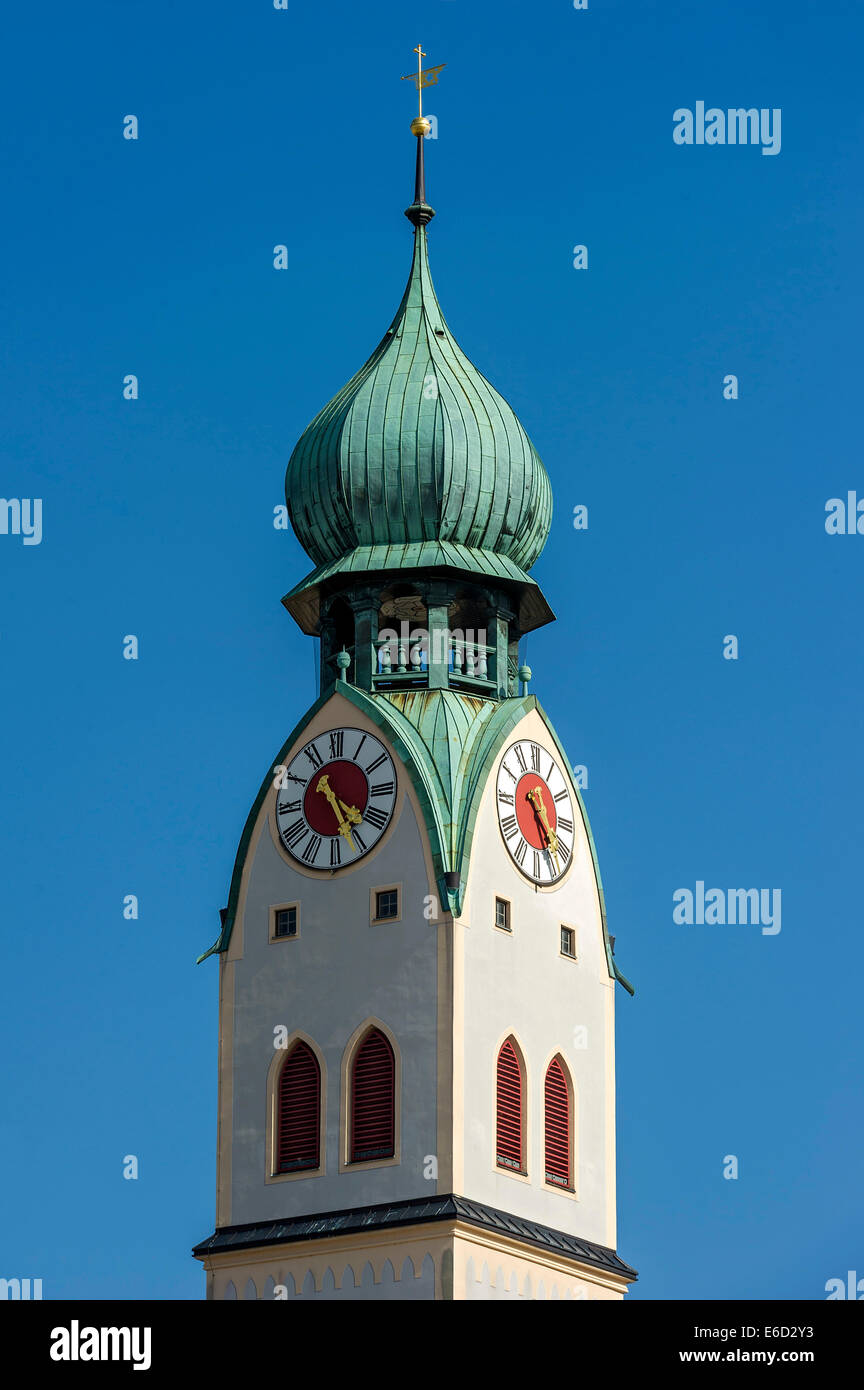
539 805
344 830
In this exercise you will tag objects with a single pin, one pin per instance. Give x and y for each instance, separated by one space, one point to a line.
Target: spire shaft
420 212
420 174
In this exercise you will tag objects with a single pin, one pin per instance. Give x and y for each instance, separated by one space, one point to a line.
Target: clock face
336 799
535 812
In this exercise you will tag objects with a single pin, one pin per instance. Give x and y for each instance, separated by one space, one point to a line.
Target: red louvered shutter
373 1100
557 1126
508 1147
299 1110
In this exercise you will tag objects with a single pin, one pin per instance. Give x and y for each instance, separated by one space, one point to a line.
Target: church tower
416 982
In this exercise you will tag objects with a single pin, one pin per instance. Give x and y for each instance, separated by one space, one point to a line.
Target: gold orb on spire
423 77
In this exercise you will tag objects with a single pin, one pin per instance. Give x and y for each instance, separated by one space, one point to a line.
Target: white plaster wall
393 1283
519 982
339 972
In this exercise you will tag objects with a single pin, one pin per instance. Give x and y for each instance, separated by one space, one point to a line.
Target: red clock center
532 793
348 787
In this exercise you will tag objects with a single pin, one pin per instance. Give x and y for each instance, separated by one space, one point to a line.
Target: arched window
373 1108
510 1129
559 1126
298 1143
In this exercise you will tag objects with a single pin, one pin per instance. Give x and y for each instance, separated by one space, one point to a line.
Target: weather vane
423 77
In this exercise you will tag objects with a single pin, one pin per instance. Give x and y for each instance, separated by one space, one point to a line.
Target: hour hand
351 813
323 785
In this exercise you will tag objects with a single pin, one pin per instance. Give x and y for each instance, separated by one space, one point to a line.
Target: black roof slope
412 1213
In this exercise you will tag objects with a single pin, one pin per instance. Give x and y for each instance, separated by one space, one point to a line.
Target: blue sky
706 518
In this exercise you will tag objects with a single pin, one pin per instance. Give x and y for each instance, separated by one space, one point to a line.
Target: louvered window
509 1146
299 1139
373 1111
558 1126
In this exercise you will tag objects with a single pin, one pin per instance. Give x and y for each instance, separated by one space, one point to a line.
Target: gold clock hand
540 806
352 813
324 786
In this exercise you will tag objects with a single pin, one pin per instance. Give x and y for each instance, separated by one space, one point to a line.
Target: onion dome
418 447
418 467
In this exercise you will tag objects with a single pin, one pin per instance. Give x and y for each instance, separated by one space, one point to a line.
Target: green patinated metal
303 601
448 742
418 447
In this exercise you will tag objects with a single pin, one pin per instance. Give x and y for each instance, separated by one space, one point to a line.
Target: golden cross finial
423 77
420 56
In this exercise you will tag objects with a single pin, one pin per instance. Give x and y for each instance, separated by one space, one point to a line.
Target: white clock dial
336 799
535 812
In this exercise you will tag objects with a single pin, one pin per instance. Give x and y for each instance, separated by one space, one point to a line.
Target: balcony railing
398 663
469 665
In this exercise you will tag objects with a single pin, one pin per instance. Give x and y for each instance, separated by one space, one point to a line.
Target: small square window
284 921
568 942
387 903
502 914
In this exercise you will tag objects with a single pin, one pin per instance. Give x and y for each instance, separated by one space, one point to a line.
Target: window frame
274 1072
374 919
345 1123
521 1172
508 913
568 1190
275 909
568 927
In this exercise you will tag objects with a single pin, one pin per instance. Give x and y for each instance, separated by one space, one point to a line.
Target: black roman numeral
287 806
535 757
507 798
505 768
536 864
519 856
375 817
359 746
291 777
565 824
335 852
295 831
313 755
560 796
563 852
336 741
520 757
355 835
510 827
310 853
377 763
383 789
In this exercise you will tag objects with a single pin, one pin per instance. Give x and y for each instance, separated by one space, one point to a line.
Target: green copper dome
418 447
